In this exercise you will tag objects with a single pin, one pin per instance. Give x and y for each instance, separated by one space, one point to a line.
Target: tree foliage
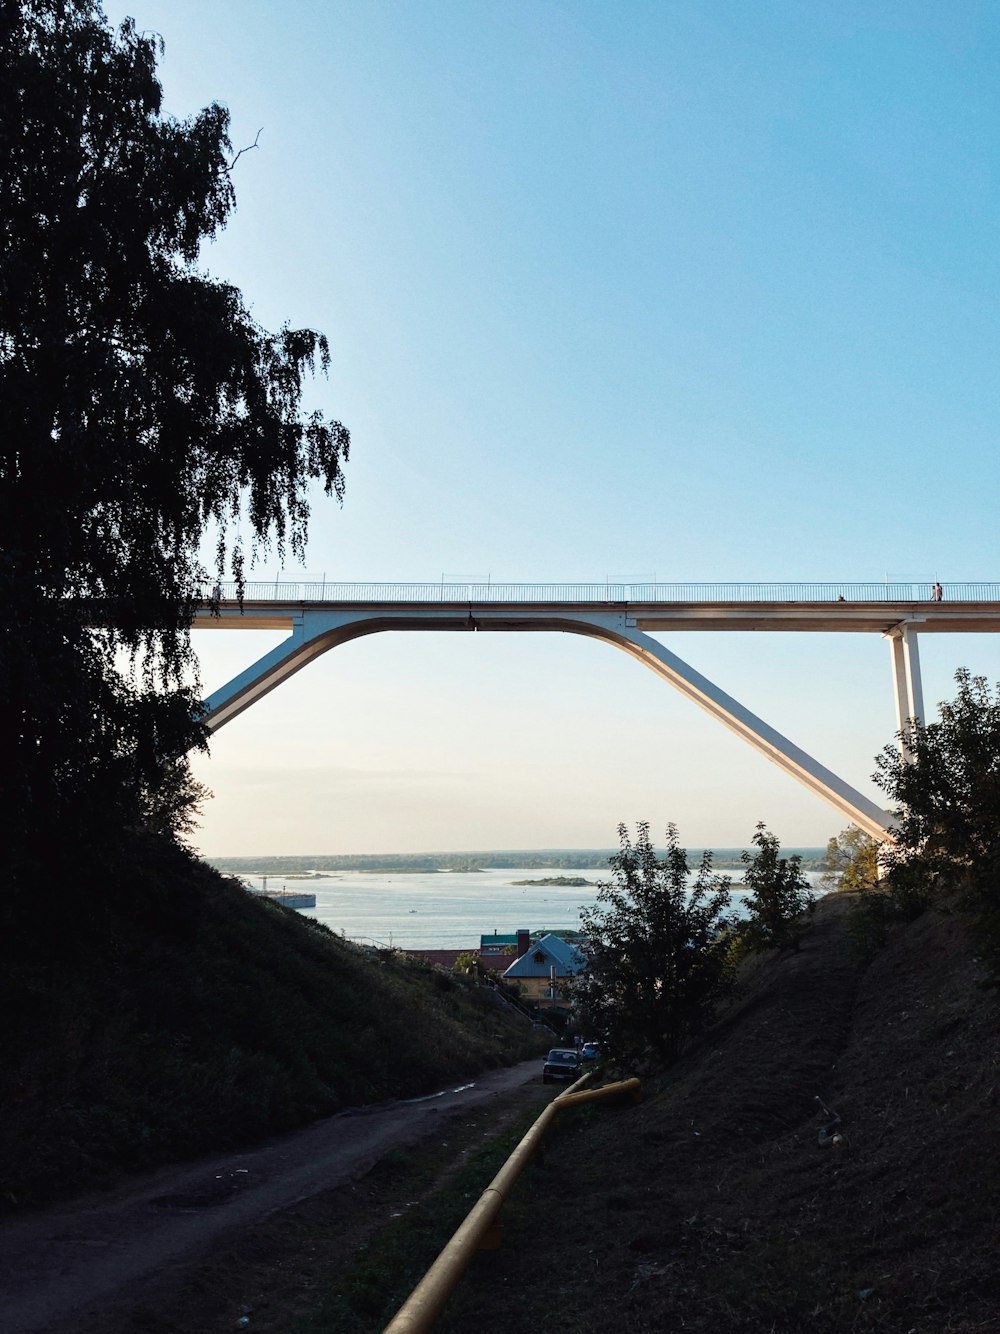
779 895
656 954
853 864
948 794
851 861
142 410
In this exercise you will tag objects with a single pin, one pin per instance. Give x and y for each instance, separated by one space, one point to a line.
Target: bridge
319 616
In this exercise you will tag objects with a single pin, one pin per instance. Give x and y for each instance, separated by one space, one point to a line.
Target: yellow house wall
537 988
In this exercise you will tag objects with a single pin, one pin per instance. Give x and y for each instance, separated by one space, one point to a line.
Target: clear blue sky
700 290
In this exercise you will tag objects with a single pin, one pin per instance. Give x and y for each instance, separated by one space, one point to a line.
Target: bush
657 959
945 778
779 896
851 861
946 781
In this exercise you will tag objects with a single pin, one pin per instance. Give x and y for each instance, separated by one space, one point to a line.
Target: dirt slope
714 1206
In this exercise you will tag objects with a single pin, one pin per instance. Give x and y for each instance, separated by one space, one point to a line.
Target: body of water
447 910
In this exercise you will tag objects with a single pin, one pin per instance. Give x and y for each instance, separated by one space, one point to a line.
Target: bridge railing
324 590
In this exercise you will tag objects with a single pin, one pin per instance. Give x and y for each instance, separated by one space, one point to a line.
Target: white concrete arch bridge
321 615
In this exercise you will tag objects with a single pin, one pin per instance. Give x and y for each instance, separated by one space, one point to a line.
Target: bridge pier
907 685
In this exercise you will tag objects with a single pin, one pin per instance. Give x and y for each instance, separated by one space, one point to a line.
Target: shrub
657 960
779 896
851 861
946 781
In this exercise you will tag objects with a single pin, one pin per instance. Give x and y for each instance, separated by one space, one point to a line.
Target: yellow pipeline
424 1303
633 1087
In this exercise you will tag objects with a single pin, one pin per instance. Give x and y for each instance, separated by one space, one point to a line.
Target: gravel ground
136 1258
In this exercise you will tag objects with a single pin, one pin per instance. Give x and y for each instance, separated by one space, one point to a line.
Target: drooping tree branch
247 149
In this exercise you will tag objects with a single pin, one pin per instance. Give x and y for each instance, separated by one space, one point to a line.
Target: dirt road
58 1264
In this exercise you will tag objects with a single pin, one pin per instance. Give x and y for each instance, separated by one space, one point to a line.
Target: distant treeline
537 858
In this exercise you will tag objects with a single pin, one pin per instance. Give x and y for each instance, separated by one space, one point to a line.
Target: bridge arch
317 629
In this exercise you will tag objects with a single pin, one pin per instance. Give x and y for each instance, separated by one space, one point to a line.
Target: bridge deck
968 617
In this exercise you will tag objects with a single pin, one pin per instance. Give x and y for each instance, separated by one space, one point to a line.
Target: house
497 948
543 966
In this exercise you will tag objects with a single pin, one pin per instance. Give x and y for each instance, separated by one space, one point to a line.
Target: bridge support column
906 682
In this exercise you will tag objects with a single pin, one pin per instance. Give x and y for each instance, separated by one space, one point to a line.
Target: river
446 910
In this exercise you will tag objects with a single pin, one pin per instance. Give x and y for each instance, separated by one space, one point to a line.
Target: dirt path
59 1264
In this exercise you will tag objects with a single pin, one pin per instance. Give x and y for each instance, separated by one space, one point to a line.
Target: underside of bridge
316 630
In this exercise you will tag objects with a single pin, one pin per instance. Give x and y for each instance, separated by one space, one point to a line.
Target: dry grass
713 1207
160 1012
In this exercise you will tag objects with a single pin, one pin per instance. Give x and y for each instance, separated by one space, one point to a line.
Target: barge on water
291 898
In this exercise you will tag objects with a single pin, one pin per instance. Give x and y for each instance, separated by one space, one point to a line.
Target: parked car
561 1063
590 1051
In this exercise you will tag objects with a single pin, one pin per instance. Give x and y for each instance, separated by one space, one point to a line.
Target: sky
696 291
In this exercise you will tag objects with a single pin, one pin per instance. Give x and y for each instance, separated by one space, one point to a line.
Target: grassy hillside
155 1010
715 1206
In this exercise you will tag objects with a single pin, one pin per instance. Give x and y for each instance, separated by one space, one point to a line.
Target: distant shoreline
312 865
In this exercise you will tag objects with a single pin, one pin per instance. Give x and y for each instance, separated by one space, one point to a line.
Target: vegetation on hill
657 959
166 1012
851 861
945 778
779 897
661 947
827 1158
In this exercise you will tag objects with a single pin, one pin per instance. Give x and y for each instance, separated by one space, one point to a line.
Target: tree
656 953
851 861
948 793
142 411
853 864
779 895
468 964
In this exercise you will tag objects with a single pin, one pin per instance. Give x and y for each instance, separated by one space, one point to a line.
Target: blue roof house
543 967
